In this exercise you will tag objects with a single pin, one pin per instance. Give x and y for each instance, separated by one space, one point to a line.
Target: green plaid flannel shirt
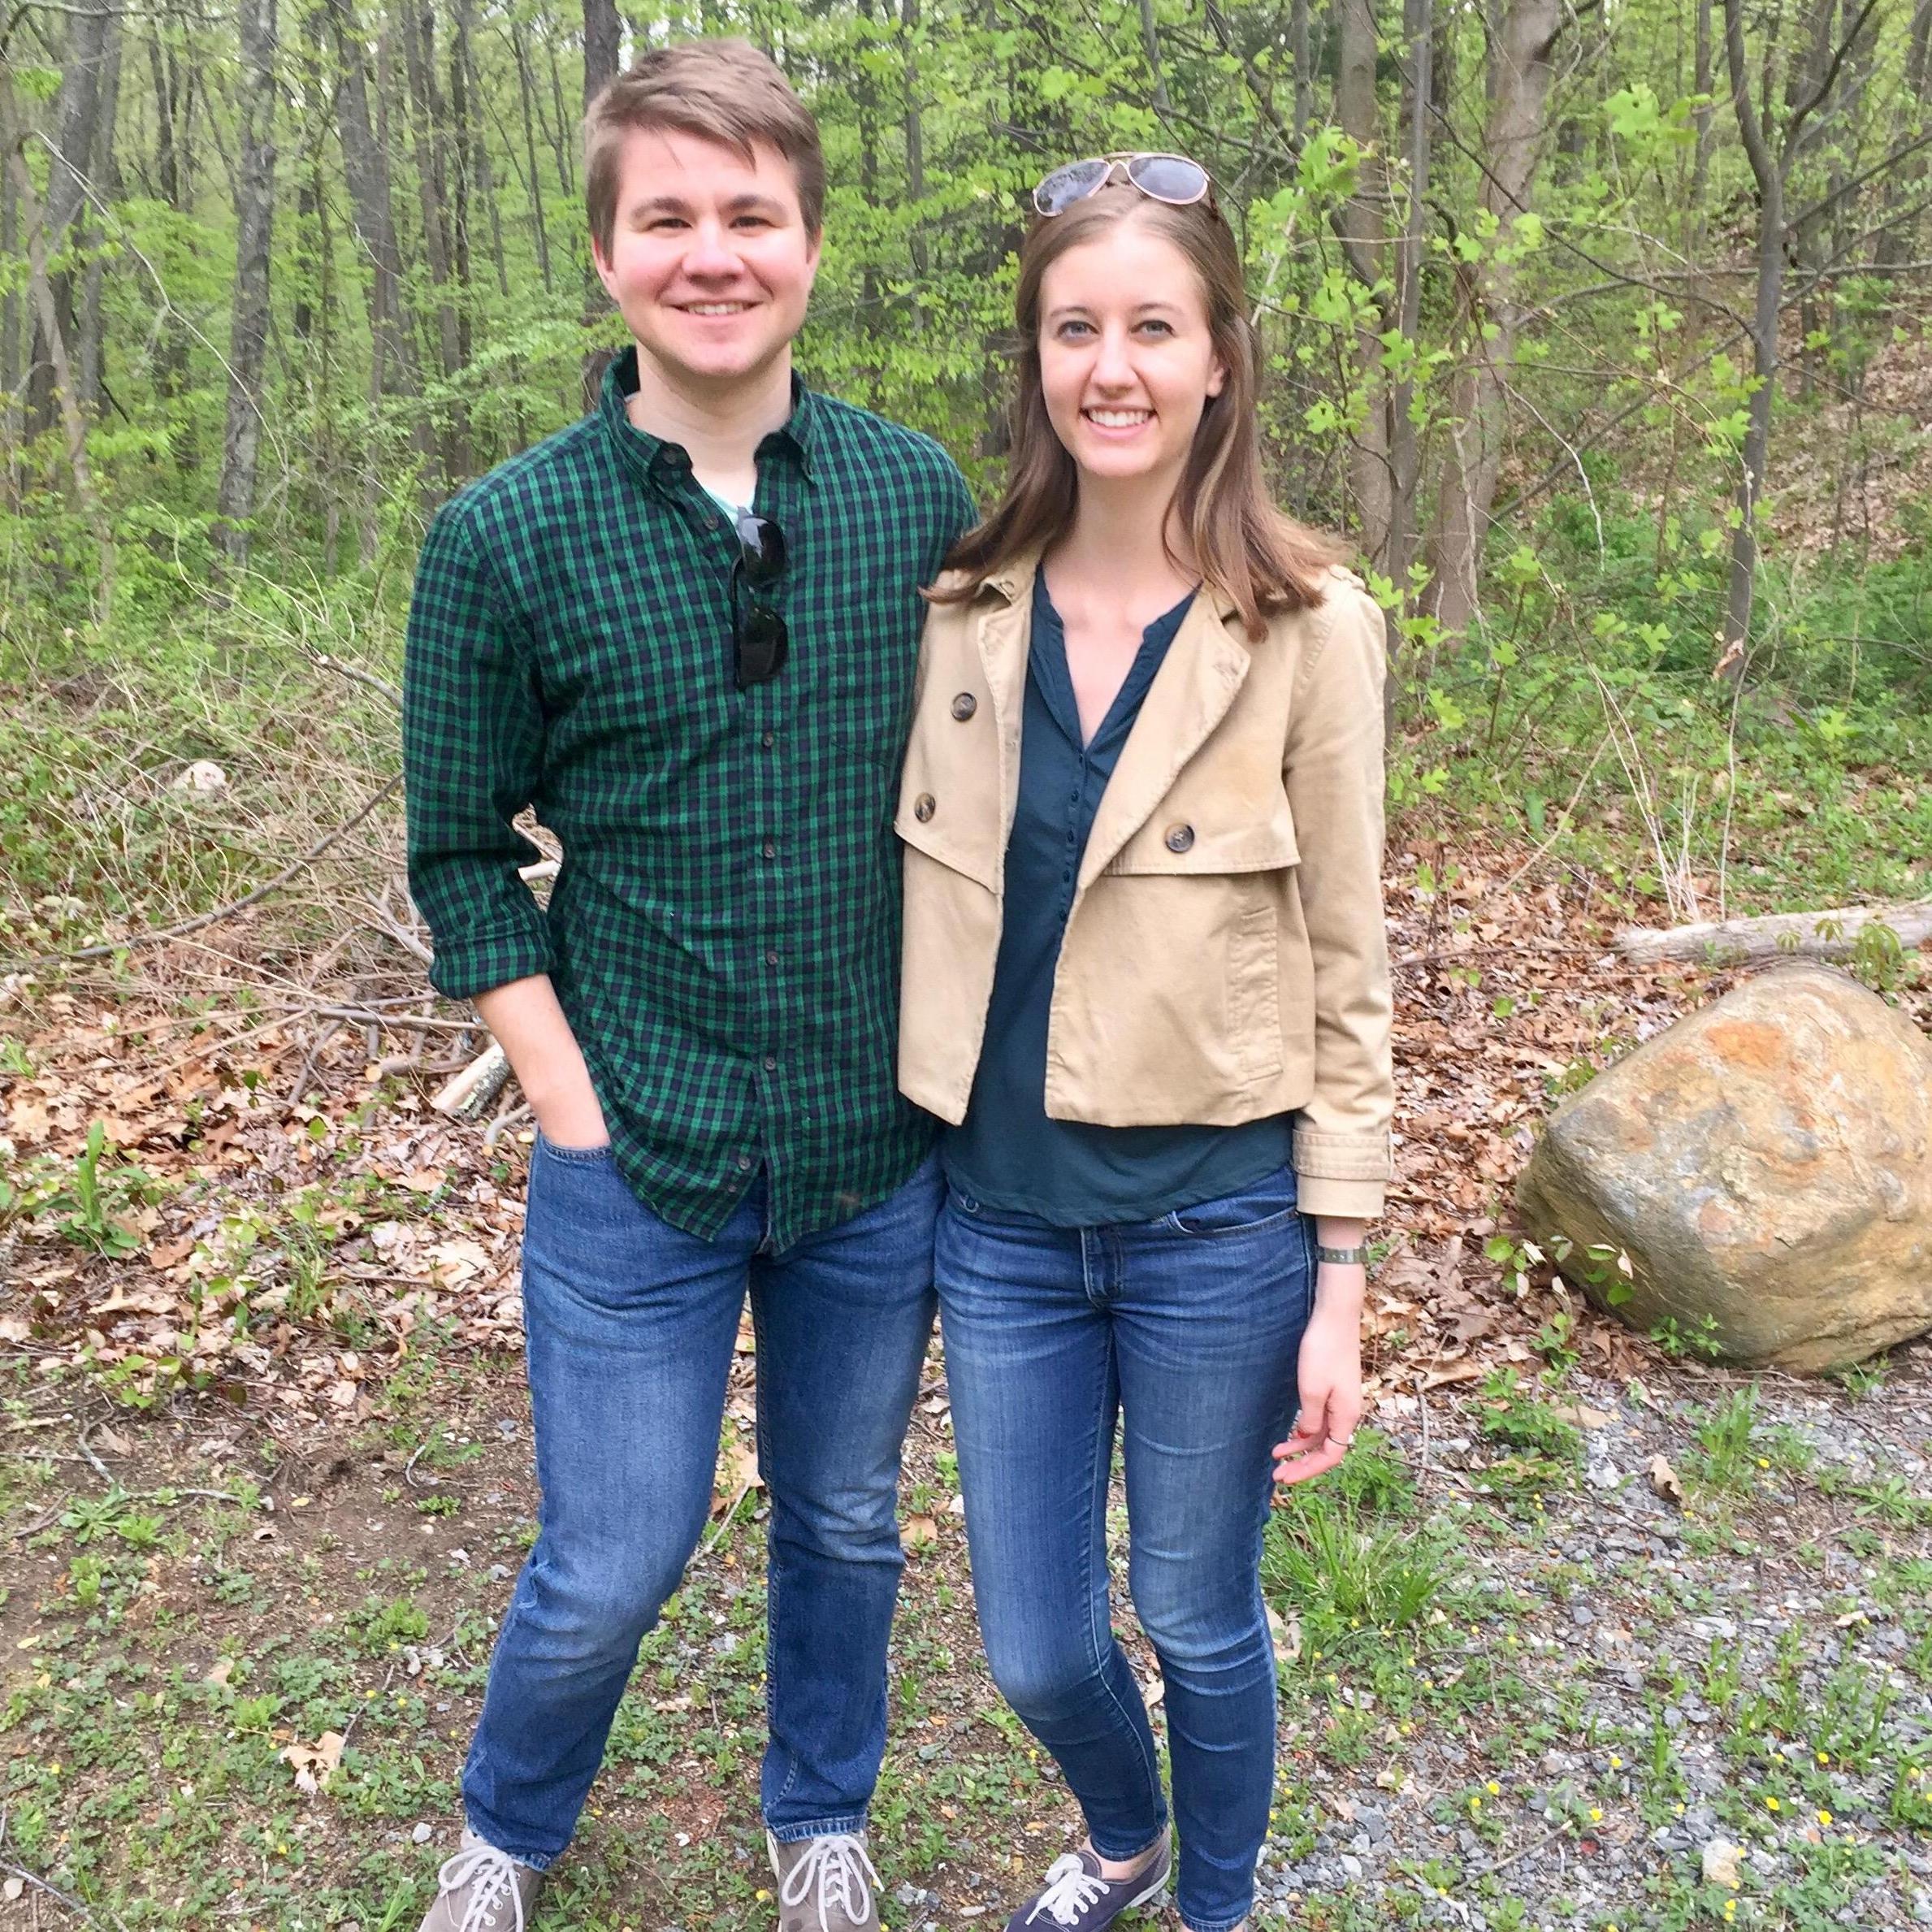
723 933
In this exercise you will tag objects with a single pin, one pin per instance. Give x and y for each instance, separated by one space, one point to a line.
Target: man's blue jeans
631 1324
1188 1329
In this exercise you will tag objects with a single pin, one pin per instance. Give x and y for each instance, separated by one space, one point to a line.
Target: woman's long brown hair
1260 560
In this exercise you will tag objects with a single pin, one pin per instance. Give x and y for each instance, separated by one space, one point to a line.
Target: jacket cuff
1345 1200
478 962
1342 1156
1341 1174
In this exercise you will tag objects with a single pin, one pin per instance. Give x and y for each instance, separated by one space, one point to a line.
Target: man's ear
601 264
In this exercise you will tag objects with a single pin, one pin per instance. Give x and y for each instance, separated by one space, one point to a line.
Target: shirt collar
655 461
1015 579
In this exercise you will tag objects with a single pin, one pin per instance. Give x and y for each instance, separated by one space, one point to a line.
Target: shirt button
768 739
770 848
1179 837
924 807
744 1164
771 959
771 1062
964 705
711 521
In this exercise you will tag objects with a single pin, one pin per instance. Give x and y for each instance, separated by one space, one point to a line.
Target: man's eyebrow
671 204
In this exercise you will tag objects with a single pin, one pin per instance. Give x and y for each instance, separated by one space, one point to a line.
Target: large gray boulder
1766 1163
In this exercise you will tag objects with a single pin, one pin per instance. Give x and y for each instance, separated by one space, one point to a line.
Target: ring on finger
1339 1442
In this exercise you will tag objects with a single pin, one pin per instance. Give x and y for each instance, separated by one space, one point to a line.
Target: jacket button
1179 837
964 705
924 807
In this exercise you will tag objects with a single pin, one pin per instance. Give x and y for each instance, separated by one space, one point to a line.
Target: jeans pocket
1268 1204
575 1157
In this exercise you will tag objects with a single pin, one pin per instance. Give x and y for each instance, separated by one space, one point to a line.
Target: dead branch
1825 935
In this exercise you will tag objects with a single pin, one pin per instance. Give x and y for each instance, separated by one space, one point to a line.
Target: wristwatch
1347 1257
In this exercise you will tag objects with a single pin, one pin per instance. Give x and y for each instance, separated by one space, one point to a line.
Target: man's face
709 261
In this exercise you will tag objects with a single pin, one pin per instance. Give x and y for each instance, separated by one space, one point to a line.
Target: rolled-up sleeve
1333 771
473 737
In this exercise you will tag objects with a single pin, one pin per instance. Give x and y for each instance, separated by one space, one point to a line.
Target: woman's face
1126 362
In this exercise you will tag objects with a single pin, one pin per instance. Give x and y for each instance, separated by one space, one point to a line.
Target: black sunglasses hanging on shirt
760 640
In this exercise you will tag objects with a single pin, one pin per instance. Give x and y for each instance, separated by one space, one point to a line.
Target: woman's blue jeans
631 1325
1186 1330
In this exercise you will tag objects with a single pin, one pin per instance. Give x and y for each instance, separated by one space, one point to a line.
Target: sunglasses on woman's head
1169 178
759 639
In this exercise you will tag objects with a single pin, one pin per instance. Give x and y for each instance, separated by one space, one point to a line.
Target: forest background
1598 330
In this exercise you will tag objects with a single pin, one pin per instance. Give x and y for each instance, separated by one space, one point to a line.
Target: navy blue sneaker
1077 1899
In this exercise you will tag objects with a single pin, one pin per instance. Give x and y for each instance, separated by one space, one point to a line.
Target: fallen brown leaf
315 1764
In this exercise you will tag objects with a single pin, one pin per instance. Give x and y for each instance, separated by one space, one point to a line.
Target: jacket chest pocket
1216 893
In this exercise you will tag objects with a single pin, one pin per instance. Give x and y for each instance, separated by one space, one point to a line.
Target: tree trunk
603 46
91 373
560 134
1898 241
909 24
366 171
1701 120
392 359
428 120
248 335
47 313
541 232
865 103
173 173
472 148
77 122
1299 52
603 49
1491 317
1419 21
1768 174
1370 464
10 332
1150 46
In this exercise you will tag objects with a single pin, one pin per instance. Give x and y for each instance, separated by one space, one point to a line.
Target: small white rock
203 775
421 1835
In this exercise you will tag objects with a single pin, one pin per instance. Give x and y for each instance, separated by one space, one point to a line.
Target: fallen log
465 1095
1832 935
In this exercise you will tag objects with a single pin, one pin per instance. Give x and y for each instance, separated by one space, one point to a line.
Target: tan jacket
1224 958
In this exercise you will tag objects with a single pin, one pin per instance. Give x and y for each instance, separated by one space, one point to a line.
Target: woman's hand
1329 1374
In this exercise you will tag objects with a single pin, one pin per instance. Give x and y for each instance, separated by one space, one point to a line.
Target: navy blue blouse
1007 1154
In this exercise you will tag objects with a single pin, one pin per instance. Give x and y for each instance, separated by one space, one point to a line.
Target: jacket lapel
1002 635
1190 695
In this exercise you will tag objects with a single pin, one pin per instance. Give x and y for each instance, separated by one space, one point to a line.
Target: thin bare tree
254 225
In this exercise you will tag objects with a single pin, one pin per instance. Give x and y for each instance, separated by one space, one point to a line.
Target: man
685 631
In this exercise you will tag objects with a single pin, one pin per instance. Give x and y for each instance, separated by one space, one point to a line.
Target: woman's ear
1217 378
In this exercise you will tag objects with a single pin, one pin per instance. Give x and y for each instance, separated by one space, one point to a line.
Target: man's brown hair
720 90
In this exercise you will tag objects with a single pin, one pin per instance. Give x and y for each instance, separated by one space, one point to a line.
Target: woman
1145 981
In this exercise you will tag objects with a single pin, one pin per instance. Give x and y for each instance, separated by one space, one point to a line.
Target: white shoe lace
1071 1888
838 1866
493 1875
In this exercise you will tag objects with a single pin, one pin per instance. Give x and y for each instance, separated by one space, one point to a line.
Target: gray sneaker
824 1884
1077 1897
482 1890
